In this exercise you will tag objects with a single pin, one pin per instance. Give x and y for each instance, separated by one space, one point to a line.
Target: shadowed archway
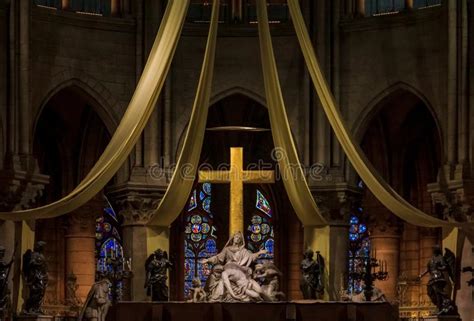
402 140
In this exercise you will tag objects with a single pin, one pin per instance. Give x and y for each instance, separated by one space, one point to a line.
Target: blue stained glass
269 246
108 244
200 236
211 246
110 211
359 250
353 229
263 204
192 201
189 267
206 205
207 188
116 234
189 253
111 248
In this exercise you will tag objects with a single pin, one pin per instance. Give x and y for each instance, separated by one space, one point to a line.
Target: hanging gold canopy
144 100
131 126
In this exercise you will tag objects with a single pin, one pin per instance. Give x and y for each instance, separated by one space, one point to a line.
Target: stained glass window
359 249
108 242
200 236
260 233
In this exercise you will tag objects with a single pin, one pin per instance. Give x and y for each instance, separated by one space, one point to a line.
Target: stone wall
238 70
96 52
3 77
381 53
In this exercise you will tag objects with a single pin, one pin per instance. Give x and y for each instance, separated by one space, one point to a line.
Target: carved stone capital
136 202
20 189
337 205
83 219
454 200
383 222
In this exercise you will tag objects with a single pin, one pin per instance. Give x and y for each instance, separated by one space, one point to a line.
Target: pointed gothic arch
266 229
400 135
377 103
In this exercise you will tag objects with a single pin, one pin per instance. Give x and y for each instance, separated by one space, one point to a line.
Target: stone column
135 203
236 10
385 233
115 7
80 246
24 79
66 4
135 240
332 241
360 8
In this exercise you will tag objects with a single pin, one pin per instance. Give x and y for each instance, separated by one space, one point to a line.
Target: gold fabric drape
133 122
184 175
376 184
288 162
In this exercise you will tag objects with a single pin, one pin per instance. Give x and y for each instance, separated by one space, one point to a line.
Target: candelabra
118 271
371 271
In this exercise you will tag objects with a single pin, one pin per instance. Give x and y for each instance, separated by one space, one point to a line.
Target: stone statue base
34 318
442 318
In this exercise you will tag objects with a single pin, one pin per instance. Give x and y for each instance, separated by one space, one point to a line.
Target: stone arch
400 134
100 98
215 99
377 103
238 90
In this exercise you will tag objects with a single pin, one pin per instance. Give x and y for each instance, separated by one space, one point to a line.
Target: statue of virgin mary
235 252
232 275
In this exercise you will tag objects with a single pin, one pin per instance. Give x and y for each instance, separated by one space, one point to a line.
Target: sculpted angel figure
197 293
97 303
5 268
268 275
441 269
35 272
156 267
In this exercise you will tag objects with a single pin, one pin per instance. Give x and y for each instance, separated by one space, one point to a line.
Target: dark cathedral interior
236 160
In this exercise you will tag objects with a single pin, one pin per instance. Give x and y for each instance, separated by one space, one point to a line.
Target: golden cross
237 176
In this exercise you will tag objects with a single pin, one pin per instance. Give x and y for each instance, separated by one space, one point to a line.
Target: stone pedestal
34 318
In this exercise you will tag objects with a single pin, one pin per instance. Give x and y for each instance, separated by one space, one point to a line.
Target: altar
278 311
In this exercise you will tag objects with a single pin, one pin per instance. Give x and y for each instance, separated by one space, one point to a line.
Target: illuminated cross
236 177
